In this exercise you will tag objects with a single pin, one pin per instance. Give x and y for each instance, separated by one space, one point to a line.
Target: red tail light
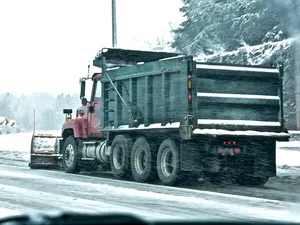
237 150
220 150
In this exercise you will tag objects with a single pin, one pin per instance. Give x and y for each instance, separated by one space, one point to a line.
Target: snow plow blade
44 151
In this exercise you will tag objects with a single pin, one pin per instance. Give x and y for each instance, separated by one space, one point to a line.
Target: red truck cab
88 121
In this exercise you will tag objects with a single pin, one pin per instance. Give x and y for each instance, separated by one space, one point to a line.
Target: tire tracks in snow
77 192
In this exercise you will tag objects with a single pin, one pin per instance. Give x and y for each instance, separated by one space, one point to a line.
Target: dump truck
159 115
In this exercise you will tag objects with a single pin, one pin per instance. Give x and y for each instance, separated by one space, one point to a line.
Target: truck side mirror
67 111
82 89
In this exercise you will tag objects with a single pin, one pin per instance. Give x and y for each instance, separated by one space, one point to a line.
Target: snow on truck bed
17 147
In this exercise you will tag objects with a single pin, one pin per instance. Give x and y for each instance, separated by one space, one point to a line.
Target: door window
98 91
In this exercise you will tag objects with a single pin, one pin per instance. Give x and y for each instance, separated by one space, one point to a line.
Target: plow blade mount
44 151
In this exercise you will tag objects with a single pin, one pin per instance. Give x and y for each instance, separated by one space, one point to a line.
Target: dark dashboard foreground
107 219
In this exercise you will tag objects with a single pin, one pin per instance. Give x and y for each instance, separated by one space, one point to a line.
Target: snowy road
24 190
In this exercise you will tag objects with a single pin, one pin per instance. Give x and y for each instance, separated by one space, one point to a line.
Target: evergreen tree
214 26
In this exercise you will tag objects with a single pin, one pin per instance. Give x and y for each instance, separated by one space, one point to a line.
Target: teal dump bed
152 93
173 91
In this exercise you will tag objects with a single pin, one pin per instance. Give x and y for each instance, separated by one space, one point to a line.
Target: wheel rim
140 161
167 162
69 155
118 156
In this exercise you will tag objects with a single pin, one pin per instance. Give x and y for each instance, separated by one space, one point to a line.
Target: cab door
94 118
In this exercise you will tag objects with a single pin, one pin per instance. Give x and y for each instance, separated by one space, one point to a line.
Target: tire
121 147
143 151
71 156
248 180
168 176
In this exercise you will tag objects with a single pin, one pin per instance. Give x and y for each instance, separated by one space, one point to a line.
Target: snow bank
289 144
287 157
19 142
17 146
4 212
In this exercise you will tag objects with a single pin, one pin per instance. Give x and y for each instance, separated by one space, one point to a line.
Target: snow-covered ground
17 147
4 212
53 190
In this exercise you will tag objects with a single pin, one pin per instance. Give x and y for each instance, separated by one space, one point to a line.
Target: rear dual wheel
143 160
120 156
140 160
168 166
136 159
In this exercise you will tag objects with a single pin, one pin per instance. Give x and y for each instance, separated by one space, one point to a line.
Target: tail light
190 87
237 150
220 150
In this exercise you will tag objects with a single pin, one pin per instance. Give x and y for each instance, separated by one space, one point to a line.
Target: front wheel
70 156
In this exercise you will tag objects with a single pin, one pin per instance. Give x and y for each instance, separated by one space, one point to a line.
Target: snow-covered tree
214 26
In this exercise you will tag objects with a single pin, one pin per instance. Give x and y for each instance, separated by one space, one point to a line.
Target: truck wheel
70 156
143 160
168 166
120 156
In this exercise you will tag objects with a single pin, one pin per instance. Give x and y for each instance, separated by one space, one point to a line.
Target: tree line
48 109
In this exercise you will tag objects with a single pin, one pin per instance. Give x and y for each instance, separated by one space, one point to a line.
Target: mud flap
44 152
190 156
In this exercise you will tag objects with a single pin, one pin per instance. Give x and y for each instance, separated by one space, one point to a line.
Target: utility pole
114 23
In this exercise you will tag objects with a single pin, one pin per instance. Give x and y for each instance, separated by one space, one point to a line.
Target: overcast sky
46 45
